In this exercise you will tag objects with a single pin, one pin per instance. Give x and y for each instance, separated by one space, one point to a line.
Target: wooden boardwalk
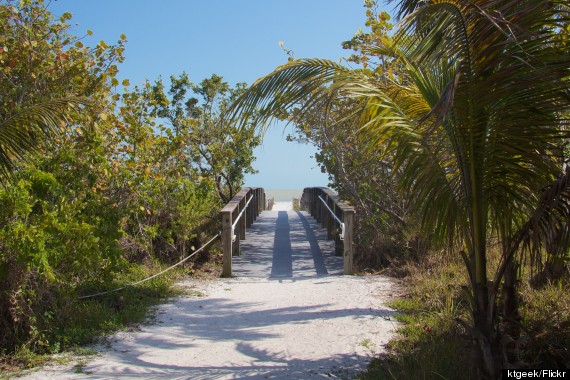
286 245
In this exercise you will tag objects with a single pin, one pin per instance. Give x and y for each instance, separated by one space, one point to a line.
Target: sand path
252 328
288 315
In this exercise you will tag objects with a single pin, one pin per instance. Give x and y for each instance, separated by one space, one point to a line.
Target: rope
336 217
153 276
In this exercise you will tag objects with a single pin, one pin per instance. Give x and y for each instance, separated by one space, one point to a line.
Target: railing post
264 200
258 202
230 214
227 243
313 204
324 211
249 213
319 206
242 224
326 217
332 222
338 245
255 205
348 220
235 244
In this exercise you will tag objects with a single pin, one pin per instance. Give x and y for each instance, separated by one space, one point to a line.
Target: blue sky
236 39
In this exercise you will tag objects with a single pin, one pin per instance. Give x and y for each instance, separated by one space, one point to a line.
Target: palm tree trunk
510 309
486 335
484 318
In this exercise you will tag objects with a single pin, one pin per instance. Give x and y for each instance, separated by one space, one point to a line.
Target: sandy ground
282 206
251 328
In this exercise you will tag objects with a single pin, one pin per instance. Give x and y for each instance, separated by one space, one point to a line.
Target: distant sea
283 195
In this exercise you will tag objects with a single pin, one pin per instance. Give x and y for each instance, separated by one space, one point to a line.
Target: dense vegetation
126 178
457 124
450 137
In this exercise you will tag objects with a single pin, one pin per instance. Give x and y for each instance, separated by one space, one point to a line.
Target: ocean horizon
283 195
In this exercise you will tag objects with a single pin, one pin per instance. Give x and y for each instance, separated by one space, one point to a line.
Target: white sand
282 206
322 327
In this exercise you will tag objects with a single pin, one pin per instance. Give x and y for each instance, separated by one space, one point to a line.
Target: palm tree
474 122
22 132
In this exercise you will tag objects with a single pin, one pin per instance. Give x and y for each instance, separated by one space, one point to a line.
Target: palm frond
21 132
301 83
546 231
549 226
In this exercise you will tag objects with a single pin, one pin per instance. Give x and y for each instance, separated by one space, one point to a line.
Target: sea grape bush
136 176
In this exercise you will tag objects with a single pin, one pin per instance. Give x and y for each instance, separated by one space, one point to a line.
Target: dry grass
431 344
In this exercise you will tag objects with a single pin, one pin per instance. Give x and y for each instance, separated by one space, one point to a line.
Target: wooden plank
256 209
348 244
231 205
319 206
331 220
235 243
263 202
252 207
242 225
327 218
312 202
227 243
309 201
303 246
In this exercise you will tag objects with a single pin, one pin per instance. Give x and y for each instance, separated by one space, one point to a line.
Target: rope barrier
334 216
155 275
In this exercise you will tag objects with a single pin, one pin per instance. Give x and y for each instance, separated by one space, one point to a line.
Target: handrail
238 214
334 216
335 211
239 217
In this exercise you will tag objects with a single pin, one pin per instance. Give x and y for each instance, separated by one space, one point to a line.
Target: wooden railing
237 215
269 203
335 216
